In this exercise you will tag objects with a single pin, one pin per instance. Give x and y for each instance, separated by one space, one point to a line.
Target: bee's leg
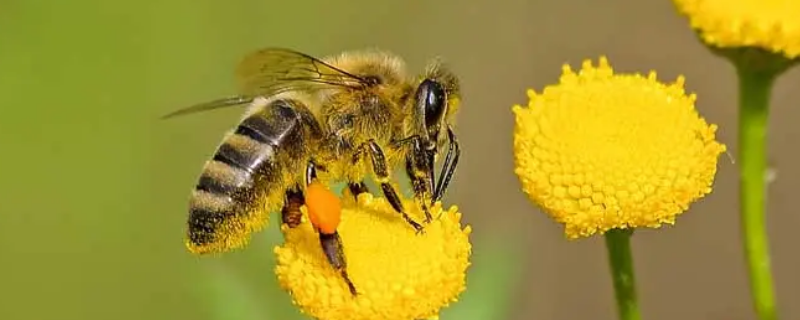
311 172
419 168
357 188
450 163
381 172
331 243
334 251
290 214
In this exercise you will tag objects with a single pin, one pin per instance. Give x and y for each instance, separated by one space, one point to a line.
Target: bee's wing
210 105
274 70
270 71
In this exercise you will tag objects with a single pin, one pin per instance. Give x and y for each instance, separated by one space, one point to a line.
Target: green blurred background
94 185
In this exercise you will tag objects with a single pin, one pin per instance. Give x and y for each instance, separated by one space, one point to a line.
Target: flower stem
620 258
754 93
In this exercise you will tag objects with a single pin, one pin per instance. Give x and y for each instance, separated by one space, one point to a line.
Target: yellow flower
769 24
603 150
398 273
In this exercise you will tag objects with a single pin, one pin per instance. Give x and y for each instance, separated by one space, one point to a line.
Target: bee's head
435 104
436 101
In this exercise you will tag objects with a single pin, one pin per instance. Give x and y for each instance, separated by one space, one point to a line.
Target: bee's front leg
381 171
419 168
450 164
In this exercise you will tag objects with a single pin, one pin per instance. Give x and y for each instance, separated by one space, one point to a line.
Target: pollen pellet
324 208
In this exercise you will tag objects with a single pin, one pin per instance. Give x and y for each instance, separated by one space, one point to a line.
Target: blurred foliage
92 211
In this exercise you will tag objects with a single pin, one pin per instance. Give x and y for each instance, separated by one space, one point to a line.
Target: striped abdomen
248 175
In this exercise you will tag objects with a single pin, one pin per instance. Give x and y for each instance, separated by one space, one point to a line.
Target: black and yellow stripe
251 163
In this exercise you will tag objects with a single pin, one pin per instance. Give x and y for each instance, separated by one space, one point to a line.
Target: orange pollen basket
324 208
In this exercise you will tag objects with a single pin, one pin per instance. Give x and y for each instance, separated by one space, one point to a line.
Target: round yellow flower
769 24
603 150
398 273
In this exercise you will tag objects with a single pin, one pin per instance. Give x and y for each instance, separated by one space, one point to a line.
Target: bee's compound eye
433 97
324 208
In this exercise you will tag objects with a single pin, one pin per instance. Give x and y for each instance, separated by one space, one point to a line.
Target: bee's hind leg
290 213
334 252
381 172
331 242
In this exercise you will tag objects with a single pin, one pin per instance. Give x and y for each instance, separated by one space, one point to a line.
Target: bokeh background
94 184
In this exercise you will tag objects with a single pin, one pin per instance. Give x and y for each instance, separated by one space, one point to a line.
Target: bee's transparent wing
210 105
270 71
274 70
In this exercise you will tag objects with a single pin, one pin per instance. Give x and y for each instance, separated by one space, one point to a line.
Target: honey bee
337 119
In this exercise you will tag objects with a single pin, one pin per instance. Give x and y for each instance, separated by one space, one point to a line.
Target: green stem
754 93
620 258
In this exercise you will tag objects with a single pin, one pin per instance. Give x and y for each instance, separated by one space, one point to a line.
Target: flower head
768 24
398 273
603 150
